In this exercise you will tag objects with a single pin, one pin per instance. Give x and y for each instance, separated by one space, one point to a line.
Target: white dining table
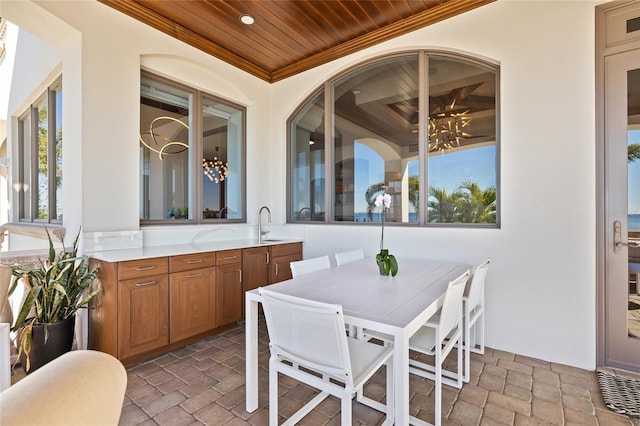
397 306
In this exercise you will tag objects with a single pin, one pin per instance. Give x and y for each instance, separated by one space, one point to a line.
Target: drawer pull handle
267 258
194 275
229 257
276 269
145 268
145 283
240 275
191 262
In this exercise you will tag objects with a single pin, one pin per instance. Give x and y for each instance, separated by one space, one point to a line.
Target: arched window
363 133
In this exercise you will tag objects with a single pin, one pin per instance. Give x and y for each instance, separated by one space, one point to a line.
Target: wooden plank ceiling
288 36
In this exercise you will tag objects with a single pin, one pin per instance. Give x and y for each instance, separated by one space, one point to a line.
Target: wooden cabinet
229 294
255 267
143 314
149 306
281 256
192 298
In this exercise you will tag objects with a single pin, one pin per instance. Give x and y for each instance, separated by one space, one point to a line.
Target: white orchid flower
387 200
383 199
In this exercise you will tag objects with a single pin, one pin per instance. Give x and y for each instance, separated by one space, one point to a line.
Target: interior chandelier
446 129
165 146
215 170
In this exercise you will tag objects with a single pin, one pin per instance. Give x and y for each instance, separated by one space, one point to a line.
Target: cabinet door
279 270
229 293
143 315
192 296
255 267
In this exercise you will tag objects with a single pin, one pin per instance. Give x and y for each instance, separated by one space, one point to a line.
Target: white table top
365 294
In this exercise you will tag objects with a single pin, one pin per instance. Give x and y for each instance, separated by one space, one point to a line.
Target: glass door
622 181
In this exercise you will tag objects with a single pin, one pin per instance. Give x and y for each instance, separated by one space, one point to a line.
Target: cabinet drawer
228 257
286 249
187 262
142 268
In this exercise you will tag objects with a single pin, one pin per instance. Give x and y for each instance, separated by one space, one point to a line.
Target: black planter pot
59 342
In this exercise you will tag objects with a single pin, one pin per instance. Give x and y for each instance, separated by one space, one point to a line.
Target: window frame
423 101
49 97
196 155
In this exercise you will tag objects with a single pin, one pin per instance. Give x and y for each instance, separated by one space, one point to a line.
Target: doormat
621 394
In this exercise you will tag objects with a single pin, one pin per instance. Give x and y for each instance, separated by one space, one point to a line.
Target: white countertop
178 249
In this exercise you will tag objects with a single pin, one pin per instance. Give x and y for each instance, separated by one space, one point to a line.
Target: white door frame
612 38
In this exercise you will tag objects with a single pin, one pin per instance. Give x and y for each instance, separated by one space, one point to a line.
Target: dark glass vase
60 341
387 263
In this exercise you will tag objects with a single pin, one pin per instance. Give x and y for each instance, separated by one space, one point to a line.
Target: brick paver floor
203 383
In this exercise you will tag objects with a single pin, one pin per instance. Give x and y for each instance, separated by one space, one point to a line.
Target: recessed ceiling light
247 19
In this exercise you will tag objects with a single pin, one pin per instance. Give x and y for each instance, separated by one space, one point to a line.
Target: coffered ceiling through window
288 36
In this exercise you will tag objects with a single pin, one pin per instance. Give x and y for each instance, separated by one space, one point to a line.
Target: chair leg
481 324
478 335
273 396
390 392
346 410
467 346
438 380
460 368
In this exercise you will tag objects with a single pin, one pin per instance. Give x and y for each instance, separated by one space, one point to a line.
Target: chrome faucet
260 221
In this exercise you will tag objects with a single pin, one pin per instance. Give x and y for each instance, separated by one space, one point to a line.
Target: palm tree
441 206
467 204
633 152
370 196
414 187
476 205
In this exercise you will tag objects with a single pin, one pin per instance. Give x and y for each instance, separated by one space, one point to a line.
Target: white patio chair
349 256
473 316
307 266
438 337
311 335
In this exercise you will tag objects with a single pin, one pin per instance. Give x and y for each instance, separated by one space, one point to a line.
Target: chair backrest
307 332
307 266
452 305
476 288
349 256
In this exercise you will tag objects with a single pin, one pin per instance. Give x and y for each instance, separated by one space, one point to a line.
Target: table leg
251 348
401 370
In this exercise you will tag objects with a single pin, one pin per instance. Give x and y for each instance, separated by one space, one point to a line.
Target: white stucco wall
540 291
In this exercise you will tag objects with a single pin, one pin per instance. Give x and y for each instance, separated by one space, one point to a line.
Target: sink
271 240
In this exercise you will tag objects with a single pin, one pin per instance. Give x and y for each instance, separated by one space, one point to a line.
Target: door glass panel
633 188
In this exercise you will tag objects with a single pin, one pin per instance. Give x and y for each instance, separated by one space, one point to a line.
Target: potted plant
54 291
